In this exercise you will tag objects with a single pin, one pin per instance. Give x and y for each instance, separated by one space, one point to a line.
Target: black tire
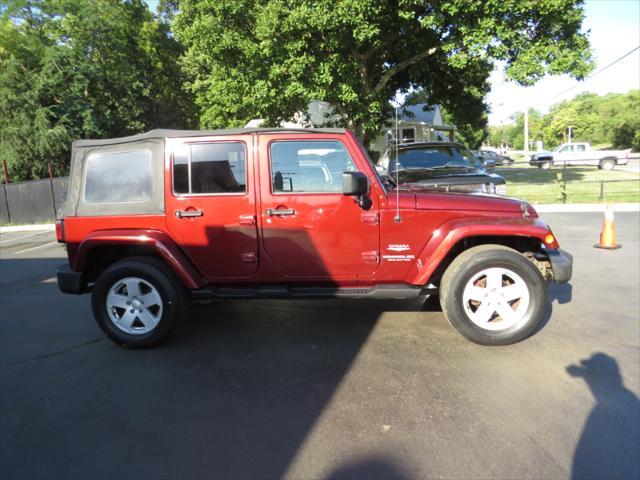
159 276
477 259
607 164
546 165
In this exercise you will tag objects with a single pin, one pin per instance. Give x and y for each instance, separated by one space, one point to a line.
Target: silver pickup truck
580 154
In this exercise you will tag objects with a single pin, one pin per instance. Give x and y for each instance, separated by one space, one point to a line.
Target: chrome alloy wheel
134 305
496 299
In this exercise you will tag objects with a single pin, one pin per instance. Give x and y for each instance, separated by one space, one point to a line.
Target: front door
309 228
210 207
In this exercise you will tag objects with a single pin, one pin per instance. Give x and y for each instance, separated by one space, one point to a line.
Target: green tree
604 120
83 68
268 59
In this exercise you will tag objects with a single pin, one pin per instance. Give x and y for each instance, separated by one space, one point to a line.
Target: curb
45 227
586 207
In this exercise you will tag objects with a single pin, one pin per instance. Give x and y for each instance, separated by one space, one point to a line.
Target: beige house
416 123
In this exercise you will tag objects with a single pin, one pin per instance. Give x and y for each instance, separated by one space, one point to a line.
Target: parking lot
324 388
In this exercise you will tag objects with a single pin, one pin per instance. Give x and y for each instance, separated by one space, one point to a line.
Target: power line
599 71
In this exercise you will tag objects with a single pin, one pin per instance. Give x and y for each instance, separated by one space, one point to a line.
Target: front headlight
501 189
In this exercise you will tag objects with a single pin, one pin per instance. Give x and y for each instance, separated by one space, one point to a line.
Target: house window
408 135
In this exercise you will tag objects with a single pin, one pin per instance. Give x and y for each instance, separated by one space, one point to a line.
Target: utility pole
526 132
570 129
5 169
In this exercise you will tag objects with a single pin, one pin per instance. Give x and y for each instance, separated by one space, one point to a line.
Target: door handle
280 212
189 213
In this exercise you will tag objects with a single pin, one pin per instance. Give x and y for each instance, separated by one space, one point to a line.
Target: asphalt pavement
324 389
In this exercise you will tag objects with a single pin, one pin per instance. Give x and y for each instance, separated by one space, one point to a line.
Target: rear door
309 228
210 203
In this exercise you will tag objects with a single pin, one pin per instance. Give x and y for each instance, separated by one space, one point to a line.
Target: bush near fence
36 201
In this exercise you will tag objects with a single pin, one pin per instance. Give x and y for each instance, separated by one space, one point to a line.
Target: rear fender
450 233
161 243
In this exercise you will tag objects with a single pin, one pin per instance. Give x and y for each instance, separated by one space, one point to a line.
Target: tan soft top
166 133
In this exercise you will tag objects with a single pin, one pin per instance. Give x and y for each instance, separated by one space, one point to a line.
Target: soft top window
118 177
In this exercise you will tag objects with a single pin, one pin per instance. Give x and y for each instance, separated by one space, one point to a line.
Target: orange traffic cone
608 235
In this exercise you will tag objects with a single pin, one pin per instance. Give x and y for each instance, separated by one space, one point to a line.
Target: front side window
309 166
118 177
567 149
202 168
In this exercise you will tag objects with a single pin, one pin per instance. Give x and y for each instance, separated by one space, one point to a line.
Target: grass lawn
583 184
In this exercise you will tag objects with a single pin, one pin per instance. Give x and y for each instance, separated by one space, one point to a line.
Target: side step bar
283 291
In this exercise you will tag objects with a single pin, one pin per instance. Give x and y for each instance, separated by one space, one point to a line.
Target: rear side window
118 177
309 167
210 168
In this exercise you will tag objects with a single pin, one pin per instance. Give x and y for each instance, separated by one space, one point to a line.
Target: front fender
158 241
449 233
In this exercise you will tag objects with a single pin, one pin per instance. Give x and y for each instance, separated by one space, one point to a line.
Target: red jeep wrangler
154 220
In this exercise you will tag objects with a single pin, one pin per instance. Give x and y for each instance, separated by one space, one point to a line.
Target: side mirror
354 184
489 164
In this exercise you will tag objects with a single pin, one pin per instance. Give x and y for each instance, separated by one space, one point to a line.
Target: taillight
60 230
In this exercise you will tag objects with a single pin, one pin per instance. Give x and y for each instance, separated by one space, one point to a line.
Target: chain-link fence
40 200
570 184
36 201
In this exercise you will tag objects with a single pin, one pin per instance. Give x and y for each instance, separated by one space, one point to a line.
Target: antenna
397 218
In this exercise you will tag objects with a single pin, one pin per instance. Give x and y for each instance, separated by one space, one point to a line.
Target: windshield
433 156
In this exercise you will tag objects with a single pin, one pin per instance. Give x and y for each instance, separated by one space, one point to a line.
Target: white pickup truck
580 154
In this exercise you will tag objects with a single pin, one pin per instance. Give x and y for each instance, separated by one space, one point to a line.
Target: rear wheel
493 295
607 164
138 302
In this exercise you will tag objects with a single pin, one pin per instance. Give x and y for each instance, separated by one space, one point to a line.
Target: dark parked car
448 166
499 160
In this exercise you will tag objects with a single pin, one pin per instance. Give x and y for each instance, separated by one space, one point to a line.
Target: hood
467 202
449 176
543 153
410 176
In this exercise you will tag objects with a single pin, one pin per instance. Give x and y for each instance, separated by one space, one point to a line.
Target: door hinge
370 257
247 220
249 257
371 217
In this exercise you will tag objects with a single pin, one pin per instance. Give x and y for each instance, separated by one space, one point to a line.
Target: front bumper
561 264
69 281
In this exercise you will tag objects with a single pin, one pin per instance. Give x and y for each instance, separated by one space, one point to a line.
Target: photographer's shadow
609 444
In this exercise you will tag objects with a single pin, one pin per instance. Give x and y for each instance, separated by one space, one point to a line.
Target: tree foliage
268 59
83 68
102 68
612 119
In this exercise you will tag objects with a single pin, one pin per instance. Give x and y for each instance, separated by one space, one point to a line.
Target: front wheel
493 295
138 302
546 165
